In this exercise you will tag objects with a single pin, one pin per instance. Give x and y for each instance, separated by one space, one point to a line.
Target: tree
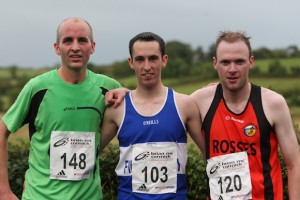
292 51
262 52
211 52
276 69
13 71
177 49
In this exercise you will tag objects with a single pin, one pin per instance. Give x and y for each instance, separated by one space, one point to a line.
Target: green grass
263 64
190 84
20 72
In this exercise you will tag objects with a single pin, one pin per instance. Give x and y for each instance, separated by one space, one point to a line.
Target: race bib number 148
71 155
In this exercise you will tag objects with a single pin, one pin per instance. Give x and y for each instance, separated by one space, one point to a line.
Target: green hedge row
195 172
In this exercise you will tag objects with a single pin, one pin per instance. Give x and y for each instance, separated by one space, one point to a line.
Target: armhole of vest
256 100
266 130
126 100
210 115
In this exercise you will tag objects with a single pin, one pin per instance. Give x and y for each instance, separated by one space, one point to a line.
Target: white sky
28 27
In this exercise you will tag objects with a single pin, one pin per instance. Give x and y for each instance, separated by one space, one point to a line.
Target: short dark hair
148 36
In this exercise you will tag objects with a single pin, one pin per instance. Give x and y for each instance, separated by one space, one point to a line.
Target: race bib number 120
229 176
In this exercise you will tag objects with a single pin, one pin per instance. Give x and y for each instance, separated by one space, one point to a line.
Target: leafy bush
109 159
195 170
196 174
276 69
17 165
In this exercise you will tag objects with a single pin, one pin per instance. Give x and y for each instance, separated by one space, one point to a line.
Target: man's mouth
147 74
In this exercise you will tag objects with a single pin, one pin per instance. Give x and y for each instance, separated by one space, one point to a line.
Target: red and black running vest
227 132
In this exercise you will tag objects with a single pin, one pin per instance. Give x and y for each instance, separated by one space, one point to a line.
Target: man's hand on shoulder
115 97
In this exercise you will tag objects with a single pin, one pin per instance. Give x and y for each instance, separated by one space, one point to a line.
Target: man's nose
75 46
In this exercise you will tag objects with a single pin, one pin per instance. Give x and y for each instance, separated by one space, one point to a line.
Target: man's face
74 45
147 62
233 62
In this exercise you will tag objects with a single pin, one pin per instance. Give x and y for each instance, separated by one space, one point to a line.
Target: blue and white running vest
153 153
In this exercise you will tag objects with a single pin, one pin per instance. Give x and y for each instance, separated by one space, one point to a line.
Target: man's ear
215 62
56 48
164 61
130 62
93 47
251 60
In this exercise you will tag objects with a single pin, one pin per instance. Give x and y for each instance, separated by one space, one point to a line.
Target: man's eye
240 62
138 59
225 62
83 40
153 58
67 40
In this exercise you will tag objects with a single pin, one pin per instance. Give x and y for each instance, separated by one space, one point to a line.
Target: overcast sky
28 27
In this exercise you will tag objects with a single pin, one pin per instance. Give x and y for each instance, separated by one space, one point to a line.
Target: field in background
23 132
186 85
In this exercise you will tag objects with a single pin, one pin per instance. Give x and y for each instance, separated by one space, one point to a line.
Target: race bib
154 168
229 177
72 155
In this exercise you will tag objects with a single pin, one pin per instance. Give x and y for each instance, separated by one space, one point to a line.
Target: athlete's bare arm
110 124
5 191
203 98
191 117
278 114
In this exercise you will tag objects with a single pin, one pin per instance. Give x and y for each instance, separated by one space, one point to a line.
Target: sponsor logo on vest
231 146
250 130
151 122
69 108
234 119
127 167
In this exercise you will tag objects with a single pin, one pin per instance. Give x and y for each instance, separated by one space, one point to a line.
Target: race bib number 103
154 168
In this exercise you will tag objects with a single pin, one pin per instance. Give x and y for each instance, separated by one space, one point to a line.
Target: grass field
288 63
23 132
186 85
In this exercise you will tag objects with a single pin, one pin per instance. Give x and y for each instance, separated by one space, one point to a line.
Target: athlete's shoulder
42 81
274 105
103 80
271 96
272 99
185 102
205 92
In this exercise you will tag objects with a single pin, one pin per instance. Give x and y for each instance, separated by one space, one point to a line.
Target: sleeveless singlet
153 153
227 132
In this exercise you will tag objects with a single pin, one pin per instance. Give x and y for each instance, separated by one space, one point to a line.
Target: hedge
195 171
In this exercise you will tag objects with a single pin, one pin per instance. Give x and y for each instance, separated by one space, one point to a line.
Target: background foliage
184 63
187 70
195 170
